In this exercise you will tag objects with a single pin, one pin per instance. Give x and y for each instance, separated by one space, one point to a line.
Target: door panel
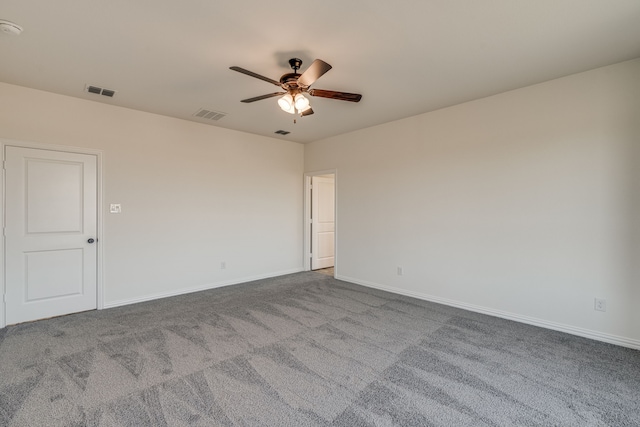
54 196
323 221
51 213
53 274
325 246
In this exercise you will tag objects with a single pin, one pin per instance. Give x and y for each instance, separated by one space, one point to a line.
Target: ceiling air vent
209 115
100 91
282 132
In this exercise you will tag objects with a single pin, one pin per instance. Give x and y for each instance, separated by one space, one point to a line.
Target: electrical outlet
600 304
400 271
223 265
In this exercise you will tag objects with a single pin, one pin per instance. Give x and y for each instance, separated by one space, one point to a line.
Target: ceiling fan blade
252 74
313 73
307 112
342 96
258 98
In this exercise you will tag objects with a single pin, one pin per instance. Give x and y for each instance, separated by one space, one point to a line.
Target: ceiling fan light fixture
286 103
294 85
301 102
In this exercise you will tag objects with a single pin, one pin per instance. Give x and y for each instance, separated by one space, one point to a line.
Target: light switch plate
115 208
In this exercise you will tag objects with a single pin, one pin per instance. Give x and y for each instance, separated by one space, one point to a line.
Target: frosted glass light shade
301 102
286 102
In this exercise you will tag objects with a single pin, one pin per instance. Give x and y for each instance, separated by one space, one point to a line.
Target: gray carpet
308 350
329 271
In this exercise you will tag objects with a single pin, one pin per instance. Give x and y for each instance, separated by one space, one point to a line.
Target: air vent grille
282 132
100 91
209 114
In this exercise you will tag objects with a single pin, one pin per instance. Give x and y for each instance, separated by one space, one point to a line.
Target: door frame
100 234
307 219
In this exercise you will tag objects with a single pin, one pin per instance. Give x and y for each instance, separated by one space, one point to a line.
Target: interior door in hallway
50 234
323 221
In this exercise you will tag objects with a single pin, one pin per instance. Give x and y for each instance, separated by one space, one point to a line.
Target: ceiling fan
295 85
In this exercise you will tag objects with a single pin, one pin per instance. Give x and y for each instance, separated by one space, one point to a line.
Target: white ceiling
405 57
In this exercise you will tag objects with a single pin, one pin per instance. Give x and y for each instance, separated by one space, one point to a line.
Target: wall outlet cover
600 304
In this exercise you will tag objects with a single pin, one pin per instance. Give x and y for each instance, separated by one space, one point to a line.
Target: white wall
192 195
524 205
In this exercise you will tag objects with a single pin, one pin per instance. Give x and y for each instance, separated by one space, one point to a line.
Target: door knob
91 240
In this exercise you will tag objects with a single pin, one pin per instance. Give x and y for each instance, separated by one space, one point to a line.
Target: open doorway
320 222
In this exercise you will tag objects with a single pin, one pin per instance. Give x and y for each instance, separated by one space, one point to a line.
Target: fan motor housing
289 81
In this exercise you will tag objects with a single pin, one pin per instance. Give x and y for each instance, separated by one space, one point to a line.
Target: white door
322 221
51 224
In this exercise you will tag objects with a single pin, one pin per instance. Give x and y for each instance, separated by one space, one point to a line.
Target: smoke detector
7 27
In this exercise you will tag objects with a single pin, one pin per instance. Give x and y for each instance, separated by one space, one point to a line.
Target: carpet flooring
308 350
329 271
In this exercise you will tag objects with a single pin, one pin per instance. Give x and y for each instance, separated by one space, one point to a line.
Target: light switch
115 208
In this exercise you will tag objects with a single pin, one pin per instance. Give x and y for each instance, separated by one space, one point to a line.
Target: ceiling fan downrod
295 64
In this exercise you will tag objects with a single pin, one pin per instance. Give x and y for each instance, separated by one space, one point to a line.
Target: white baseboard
146 298
586 333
